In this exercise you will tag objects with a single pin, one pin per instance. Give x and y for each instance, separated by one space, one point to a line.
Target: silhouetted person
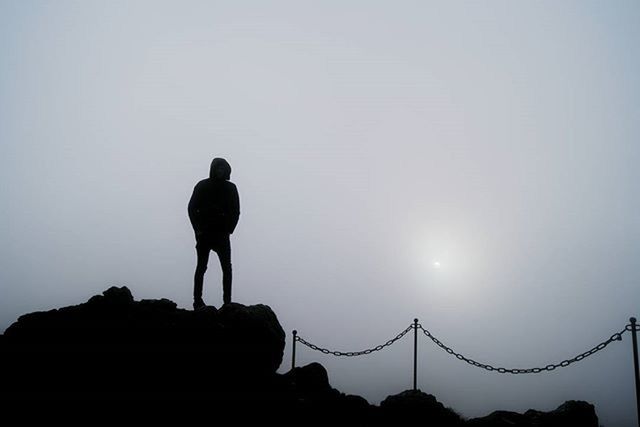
214 210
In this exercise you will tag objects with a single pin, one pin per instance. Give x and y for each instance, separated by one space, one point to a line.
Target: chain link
629 327
355 353
501 370
615 337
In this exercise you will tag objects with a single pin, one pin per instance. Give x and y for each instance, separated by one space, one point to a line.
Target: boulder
312 400
413 407
115 360
256 329
125 355
570 414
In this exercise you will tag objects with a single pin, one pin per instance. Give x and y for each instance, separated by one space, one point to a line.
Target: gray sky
369 140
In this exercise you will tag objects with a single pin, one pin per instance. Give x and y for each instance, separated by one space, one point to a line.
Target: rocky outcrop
113 356
570 414
412 407
312 400
250 337
115 360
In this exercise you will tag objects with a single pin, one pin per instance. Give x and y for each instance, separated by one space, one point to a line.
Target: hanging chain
615 337
355 353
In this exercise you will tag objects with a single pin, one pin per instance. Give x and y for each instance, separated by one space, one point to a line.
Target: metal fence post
634 340
415 354
293 349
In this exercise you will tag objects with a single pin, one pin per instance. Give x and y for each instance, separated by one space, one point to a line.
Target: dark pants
221 245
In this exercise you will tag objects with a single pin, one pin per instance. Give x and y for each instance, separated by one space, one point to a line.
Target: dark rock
313 400
115 295
570 414
159 304
114 360
310 380
500 419
129 354
258 325
412 407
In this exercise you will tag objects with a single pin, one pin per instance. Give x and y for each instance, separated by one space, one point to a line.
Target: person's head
220 169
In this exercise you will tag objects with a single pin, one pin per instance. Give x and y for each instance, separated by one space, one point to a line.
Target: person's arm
234 213
193 207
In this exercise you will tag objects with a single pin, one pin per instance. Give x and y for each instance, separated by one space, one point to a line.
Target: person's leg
201 267
223 249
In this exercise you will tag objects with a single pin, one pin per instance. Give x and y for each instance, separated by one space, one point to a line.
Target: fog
471 164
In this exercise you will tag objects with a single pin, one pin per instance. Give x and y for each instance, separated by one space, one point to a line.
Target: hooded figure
214 210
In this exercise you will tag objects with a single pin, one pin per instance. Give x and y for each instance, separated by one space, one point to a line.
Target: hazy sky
369 140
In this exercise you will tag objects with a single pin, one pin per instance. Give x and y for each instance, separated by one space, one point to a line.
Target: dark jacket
214 207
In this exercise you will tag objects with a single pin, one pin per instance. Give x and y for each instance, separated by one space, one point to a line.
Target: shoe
198 303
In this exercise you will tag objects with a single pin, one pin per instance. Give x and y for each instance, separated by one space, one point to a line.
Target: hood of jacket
220 169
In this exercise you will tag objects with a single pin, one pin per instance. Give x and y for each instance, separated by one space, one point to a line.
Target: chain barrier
355 353
550 367
633 327
615 337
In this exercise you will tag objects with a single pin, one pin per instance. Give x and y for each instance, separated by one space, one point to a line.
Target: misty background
472 164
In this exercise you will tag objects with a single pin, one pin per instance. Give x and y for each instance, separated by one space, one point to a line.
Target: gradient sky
369 140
